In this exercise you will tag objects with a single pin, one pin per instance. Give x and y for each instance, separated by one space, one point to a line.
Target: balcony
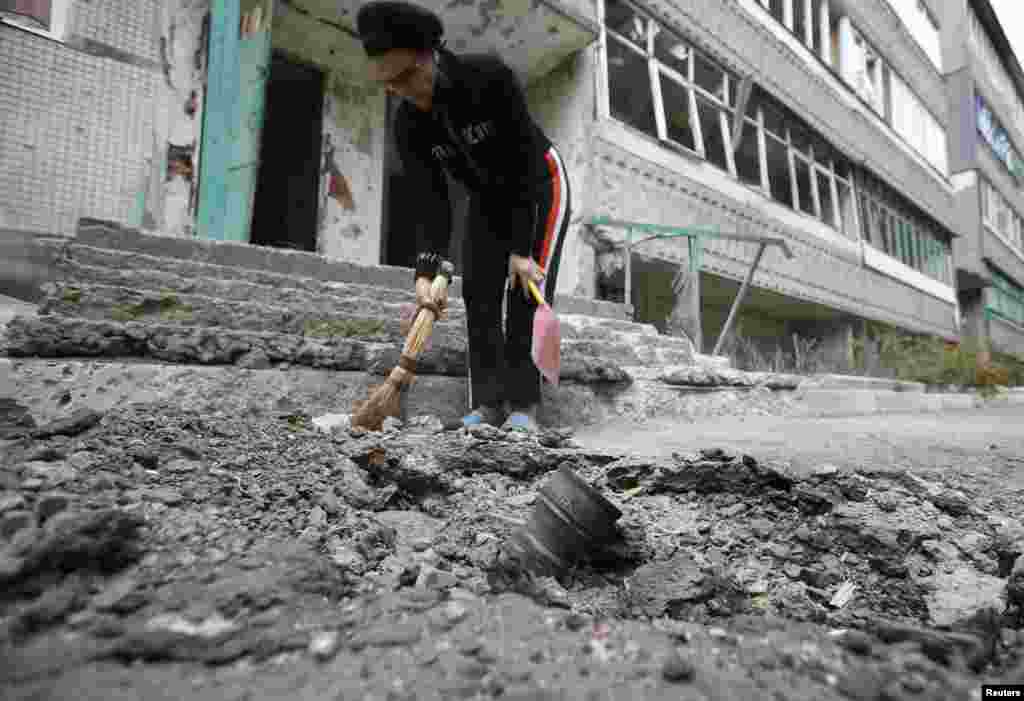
532 36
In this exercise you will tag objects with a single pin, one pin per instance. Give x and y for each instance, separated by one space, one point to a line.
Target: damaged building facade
986 87
839 126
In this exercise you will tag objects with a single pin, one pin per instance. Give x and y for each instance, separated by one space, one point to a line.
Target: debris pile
379 563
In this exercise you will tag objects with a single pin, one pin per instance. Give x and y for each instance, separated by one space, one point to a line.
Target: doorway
288 185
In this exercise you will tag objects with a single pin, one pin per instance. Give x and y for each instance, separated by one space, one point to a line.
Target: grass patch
298 422
344 328
167 307
72 295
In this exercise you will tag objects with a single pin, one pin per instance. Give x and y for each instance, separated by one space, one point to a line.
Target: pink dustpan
547 338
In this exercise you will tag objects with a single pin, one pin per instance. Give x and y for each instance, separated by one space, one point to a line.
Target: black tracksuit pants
501 368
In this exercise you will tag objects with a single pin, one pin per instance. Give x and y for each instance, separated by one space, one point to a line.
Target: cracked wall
351 180
170 192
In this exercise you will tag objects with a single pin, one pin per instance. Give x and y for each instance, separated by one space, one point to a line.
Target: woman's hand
521 270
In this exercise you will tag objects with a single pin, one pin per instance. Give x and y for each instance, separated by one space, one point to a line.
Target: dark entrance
287 188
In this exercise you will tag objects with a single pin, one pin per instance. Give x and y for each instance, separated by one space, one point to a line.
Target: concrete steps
314 316
323 316
86 264
119 293
242 257
52 336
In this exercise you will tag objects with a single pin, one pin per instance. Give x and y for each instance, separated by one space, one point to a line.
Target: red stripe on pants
556 199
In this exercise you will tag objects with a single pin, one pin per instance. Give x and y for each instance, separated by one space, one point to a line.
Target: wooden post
686 313
739 300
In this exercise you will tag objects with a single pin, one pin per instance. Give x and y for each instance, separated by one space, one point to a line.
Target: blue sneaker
521 420
477 417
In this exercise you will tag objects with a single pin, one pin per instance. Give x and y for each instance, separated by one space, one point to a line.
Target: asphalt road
983 445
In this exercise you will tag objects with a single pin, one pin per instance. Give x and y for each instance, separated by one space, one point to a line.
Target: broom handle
438 290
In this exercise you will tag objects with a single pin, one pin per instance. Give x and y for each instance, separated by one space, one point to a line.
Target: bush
901 355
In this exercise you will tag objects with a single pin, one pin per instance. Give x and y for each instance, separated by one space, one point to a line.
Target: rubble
213 540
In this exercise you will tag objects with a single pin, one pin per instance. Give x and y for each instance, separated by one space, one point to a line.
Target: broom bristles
385 400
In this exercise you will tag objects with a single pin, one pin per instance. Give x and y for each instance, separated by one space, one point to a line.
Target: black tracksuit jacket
480 132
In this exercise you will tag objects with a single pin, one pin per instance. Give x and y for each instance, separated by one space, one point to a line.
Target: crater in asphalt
259 538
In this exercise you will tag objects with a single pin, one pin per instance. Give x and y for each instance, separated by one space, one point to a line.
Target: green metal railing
695 236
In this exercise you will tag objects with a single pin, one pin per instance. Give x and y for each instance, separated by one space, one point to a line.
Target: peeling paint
352 231
172 189
179 162
351 172
341 192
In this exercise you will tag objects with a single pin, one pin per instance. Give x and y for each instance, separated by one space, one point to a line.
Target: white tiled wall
76 131
128 25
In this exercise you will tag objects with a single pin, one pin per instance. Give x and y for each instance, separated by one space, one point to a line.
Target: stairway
121 294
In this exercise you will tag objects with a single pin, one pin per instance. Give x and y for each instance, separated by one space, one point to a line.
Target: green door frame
233 112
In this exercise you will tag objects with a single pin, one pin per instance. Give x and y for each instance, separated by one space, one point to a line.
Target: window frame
906 235
983 106
1006 298
994 204
60 22
844 218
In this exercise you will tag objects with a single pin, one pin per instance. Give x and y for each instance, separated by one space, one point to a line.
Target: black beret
389 24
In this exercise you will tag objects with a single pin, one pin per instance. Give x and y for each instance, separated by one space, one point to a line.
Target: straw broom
386 400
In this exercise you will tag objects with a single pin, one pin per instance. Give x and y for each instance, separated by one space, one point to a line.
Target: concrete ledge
958 402
53 388
859 382
852 402
570 304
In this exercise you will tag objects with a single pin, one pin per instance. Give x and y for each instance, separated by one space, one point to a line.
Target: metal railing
694 236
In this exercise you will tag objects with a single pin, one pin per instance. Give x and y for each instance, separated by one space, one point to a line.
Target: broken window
673 54
800 139
816 26
775 121
779 181
799 19
694 106
867 228
678 121
710 77
711 130
805 197
629 87
882 221
748 156
846 213
842 167
828 211
626 22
